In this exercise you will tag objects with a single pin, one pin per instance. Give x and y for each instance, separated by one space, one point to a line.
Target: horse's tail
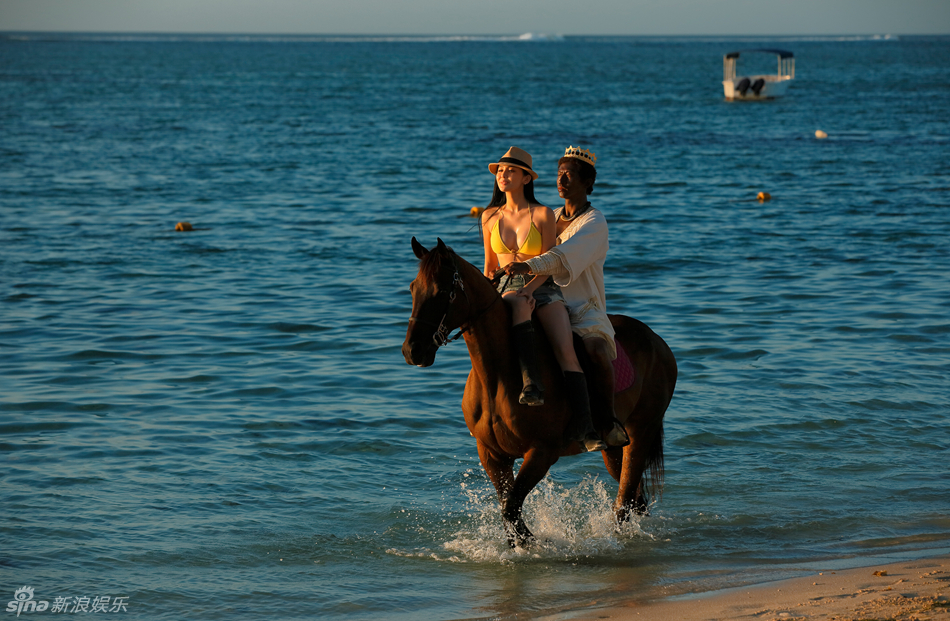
653 475
655 460
655 457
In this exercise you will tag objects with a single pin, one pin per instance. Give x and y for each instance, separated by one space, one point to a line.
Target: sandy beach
905 591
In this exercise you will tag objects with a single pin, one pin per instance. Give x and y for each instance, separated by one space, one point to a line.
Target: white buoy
820 134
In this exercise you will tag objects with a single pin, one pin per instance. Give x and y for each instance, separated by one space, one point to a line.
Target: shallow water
221 423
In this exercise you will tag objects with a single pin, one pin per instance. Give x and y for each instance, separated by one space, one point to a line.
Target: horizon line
464 34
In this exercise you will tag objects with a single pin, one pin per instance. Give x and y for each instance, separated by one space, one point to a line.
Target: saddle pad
624 373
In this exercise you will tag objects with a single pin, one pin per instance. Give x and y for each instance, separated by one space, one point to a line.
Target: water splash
568 522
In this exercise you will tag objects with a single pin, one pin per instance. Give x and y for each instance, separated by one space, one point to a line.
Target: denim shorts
545 294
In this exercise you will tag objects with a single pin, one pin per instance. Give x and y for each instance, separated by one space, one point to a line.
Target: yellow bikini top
530 247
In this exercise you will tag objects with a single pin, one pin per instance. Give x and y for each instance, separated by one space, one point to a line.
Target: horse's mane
431 264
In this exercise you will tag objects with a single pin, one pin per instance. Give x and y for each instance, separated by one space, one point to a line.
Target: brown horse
448 294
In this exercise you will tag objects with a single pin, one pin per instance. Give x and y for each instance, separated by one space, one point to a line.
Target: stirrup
592 442
531 395
617 437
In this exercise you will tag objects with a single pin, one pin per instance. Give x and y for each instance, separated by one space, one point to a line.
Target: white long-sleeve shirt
577 265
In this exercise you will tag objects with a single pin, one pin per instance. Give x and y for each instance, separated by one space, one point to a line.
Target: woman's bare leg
521 307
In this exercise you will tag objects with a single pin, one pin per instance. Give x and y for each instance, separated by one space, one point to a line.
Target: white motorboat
757 87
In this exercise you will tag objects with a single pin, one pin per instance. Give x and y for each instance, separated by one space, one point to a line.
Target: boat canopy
786 63
781 53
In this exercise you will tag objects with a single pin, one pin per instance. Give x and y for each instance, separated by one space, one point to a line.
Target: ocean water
220 424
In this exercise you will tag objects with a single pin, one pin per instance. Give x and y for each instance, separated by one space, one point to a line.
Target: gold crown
581 154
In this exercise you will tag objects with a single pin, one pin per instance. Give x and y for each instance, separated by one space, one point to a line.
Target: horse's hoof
521 542
519 535
638 508
531 395
524 541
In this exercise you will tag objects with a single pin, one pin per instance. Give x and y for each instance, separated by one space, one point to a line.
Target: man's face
570 185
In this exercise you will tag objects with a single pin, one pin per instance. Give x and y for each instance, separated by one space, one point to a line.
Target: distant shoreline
457 37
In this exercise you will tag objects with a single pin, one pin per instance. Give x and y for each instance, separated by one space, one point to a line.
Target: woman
517 228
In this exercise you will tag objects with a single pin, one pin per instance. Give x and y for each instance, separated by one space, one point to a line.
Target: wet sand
904 591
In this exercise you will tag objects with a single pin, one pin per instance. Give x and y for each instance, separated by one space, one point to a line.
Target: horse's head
435 311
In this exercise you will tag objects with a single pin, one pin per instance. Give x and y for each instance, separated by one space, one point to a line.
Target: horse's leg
536 464
645 428
630 499
613 459
499 470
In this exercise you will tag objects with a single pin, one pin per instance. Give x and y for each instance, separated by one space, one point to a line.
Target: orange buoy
764 197
476 211
820 134
183 226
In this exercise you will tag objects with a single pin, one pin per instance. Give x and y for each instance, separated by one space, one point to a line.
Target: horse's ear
441 245
418 249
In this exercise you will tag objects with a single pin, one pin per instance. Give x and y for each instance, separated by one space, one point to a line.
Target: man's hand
517 269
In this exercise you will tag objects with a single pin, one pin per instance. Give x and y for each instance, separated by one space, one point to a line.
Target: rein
441 335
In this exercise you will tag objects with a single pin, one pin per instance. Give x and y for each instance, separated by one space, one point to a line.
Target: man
577 265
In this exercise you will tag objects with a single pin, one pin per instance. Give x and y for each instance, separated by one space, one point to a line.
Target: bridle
441 335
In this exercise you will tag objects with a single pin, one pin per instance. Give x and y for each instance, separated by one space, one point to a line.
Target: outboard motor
743 86
758 86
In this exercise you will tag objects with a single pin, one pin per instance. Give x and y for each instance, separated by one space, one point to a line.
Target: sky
479 17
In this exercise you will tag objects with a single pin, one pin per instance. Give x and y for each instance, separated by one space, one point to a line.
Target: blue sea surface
220 424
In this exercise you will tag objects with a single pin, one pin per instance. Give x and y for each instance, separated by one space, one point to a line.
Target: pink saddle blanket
624 373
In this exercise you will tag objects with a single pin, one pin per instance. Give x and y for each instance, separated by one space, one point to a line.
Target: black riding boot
526 348
580 428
